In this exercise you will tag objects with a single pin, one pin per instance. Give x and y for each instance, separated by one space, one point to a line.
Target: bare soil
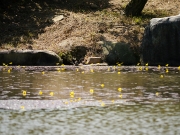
86 23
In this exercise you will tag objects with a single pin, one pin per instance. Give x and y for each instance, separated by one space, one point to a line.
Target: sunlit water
108 102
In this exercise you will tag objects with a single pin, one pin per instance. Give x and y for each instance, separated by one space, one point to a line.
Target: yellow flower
102 104
9 70
167 70
108 69
102 85
146 64
91 91
22 107
66 102
120 95
179 68
4 64
43 72
58 69
140 68
82 72
62 69
119 73
24 93
40 92
91 70
71 100
159 66
119 89
77 69
167 65
146 69
57 64
157 94
10 63
51 94
138 64
71 94
161 76
79 98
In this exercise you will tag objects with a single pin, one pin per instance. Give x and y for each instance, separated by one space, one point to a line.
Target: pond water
114 101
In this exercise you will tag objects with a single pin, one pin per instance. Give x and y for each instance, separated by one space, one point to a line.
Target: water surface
122 102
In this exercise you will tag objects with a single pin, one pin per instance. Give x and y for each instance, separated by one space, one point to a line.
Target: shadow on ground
22 20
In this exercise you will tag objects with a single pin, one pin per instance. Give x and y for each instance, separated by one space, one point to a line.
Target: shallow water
147 103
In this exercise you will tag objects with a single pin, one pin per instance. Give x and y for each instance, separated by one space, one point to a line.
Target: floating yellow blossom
91 91
9 70
179 68
66 102
79 98
43 72
82 72
71 100
62 69
102 104
77 69
167 65
108 69
119 89
102 85
157 93
22 107
138 64
140 68
120 95
167 70
159 67
58 69
146 68
71 94
24 93
4 64
40 92
119 73
146 64
92 70
51 93
161 76
10 63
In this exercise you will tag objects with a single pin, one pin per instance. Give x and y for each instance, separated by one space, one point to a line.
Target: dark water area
114 101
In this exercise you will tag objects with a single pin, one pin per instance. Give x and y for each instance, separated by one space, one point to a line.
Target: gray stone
30 57
119 53
58 18
161 41
94 60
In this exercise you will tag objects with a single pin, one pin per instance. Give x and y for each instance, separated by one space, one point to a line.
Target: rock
94 60
161 41
58 18
30 57
119 52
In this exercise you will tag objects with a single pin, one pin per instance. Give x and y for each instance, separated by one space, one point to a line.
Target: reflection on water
71 102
